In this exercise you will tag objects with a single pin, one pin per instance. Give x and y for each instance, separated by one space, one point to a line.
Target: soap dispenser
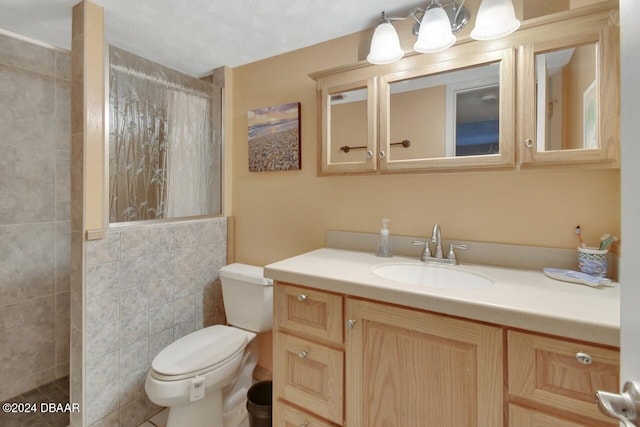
384 249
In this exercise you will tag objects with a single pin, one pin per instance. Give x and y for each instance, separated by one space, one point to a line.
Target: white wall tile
102 371
103 339
134 243
134 300
132 386
134 328
185 235
143 286
159 341
160 318
104 250
134 357
101 279
102 402
101 309
161 239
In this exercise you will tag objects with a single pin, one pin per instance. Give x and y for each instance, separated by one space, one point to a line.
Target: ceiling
196 36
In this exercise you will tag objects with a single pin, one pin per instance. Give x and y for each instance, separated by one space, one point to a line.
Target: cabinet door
525 417
570 96
348 130
309 375
307 312
560 374
411 368
449 114
288 416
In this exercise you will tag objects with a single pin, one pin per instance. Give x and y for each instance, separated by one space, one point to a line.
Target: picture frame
274 138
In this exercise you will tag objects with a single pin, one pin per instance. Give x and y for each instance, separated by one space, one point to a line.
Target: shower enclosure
164 142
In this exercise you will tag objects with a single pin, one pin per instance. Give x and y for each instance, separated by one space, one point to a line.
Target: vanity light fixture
436 25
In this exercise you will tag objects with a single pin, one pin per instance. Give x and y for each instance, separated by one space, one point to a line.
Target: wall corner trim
95 234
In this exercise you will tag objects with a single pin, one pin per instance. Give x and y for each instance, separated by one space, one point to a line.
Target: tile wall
34 215
145 287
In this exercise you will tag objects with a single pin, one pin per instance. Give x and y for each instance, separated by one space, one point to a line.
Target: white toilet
203 377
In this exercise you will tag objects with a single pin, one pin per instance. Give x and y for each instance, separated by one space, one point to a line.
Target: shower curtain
188 164
164 161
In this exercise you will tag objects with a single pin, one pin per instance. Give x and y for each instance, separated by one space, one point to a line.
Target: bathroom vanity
352 348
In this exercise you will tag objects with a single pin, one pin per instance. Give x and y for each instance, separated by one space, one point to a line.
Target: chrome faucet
436 237
438 256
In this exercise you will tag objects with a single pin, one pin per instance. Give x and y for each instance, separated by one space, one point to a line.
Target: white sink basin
433 276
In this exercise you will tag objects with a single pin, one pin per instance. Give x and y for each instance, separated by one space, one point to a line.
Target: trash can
259 404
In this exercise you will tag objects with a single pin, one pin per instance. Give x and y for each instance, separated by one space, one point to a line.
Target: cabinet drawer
307 312
547 371
524 417
287 416
309 375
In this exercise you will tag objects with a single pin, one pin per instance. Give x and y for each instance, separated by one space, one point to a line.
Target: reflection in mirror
450 114
348 124
567 99
165 142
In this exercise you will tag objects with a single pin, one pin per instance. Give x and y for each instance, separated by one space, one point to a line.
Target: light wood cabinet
344 361
310 375
288 416
308 367
309 313
552 374
569 93
412 368
372 110
525 417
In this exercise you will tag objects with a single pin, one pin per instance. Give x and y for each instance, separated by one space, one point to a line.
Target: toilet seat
198 353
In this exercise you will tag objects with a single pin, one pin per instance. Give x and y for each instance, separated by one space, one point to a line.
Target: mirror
567 103
449 114
349 125
457 114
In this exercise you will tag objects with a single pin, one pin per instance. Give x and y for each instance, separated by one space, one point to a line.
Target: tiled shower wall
34 215
145 287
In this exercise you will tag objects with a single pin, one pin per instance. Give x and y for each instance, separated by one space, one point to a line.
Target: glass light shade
385 45
435 32
496 18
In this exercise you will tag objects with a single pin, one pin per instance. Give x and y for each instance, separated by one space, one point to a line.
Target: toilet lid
199 350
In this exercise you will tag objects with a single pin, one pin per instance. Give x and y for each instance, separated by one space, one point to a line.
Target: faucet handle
426 253
452 254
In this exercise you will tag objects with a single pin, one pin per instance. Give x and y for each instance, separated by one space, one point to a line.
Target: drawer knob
303 354
302 297
351 323
584 358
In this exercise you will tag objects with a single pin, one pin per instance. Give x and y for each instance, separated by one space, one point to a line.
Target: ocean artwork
274 138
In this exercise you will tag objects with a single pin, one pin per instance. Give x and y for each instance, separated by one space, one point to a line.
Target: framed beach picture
274 138
590 116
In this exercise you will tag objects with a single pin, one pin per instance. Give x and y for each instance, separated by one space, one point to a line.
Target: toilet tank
248 297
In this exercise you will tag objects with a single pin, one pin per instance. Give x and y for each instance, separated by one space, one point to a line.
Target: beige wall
281 214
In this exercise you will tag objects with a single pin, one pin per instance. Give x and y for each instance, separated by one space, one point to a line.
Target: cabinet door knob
302 297
351 323
528 143
584 358
303 353
382 154
369 154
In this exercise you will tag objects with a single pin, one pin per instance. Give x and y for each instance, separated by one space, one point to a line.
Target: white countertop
523 299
